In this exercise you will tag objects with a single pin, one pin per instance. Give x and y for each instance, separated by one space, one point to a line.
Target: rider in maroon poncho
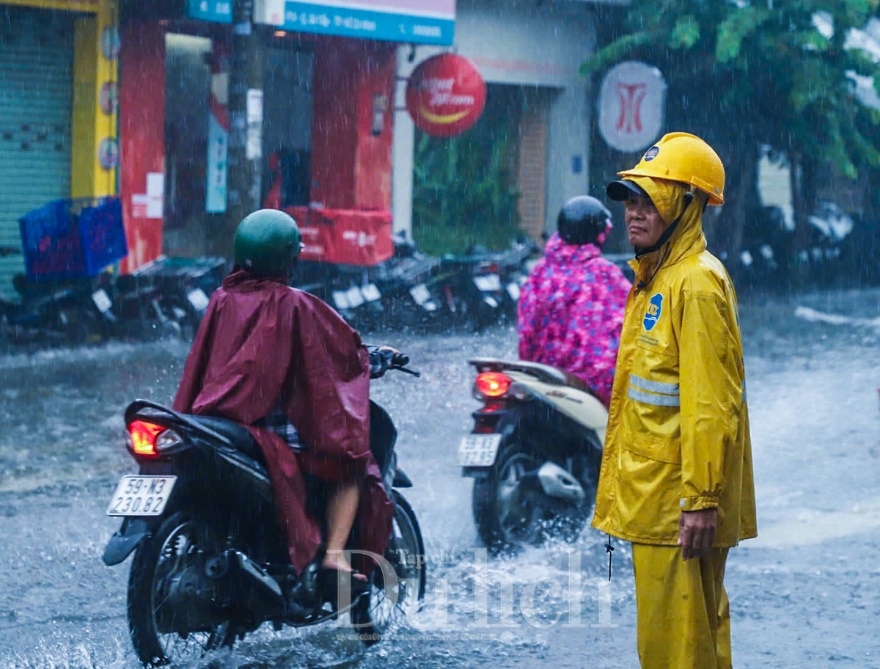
288 367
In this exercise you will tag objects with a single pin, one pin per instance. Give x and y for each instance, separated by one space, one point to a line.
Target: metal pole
245 123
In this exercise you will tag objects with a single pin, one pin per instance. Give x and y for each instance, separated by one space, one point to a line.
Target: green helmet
266 242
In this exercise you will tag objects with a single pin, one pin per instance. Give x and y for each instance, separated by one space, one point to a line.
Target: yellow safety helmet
681 156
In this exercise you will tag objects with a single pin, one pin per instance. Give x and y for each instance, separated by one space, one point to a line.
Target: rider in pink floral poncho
571 307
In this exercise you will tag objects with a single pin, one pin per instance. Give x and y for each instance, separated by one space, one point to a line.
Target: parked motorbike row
424 293
167 296
834 249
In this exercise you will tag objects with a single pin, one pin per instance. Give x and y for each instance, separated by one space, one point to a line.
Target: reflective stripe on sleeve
654 386
657 400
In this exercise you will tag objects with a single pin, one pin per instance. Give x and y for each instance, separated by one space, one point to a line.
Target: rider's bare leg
341 511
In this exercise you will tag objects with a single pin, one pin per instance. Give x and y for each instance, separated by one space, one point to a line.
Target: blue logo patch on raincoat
652 313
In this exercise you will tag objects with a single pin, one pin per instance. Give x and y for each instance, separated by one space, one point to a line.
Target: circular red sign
445 95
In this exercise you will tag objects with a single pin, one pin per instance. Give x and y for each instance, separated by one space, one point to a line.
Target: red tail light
143 437
492 384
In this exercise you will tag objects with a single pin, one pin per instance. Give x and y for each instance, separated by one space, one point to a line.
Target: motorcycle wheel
385 606
507 513
179 543
566 521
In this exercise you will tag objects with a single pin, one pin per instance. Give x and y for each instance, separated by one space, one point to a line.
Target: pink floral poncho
571 312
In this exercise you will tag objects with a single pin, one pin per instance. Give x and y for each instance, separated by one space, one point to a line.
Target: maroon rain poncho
262 345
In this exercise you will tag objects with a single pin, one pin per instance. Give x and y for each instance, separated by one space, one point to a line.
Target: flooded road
806 593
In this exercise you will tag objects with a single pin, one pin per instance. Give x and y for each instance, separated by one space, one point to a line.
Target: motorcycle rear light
142 438
492 384
149 440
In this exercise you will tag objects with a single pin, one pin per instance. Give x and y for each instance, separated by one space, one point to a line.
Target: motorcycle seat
576 382
237 434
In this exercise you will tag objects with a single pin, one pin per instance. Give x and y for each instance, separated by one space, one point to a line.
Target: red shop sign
445 95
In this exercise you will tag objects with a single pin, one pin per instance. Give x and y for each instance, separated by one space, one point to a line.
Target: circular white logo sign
631 106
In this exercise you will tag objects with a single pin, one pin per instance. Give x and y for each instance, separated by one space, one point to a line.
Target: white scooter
534 453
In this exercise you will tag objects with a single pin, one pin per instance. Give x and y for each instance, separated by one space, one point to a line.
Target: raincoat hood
669 198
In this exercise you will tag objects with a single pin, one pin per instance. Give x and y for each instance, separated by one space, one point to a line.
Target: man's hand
696 532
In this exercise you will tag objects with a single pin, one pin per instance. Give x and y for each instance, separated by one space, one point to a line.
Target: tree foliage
744 74
464 192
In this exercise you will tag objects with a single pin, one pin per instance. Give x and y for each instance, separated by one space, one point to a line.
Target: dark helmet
582 220
266 242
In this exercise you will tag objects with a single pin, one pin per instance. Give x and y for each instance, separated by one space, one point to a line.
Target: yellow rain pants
683 612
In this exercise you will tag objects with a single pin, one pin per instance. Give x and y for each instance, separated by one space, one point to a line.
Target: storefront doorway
196 126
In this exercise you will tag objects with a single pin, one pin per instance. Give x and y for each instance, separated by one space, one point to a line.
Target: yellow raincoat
678 427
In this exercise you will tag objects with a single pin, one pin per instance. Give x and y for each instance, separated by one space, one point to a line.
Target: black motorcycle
210 562
71 311
534 453
482 288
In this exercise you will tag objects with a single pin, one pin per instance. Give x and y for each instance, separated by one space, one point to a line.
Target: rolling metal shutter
36 93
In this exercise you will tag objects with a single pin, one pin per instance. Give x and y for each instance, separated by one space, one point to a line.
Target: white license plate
198 298
340 299
370 292
420 293
488 283
102 300
141 496
355 297
478 450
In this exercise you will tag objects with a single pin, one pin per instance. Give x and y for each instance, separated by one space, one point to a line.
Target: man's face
643 222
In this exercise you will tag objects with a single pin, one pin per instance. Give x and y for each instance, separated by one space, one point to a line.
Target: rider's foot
336 561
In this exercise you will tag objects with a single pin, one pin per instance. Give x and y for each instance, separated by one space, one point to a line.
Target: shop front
323 119
58 84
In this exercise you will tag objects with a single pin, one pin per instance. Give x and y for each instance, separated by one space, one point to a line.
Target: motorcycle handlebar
407 370
383 359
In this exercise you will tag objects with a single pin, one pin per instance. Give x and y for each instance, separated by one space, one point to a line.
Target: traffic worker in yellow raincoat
676 477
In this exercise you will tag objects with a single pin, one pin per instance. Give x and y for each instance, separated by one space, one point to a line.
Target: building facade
528 51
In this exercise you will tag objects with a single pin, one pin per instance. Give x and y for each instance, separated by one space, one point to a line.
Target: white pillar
402 147
568 156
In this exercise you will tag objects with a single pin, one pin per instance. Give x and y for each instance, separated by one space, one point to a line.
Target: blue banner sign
430 22
396 25
218 11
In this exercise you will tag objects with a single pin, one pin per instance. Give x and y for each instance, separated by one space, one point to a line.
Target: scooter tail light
491 385
149 440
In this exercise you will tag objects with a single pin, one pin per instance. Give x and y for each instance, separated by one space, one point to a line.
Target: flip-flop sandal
331 582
